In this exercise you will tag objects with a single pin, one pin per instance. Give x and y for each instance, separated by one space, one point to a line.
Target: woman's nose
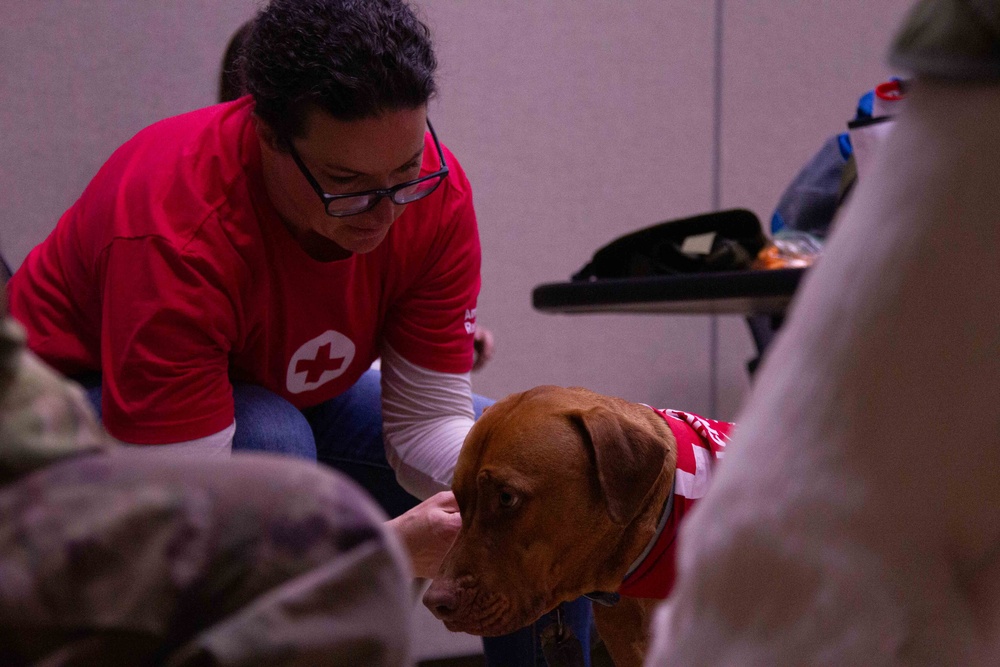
386 211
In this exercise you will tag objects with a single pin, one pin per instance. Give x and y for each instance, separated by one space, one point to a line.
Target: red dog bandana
700 441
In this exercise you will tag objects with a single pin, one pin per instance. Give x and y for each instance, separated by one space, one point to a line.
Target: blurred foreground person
854 521
114 556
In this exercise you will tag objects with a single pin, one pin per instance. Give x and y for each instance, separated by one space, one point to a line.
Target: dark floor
599 658
471 661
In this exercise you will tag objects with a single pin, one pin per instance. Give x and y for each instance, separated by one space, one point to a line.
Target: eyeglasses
353 203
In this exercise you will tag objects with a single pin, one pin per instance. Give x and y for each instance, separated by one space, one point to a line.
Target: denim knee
266 422
480 403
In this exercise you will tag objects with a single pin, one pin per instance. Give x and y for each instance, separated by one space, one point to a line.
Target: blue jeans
345 433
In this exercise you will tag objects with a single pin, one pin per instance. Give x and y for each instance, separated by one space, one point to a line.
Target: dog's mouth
495 615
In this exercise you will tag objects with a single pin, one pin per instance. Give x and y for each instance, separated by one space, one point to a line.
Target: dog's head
550 484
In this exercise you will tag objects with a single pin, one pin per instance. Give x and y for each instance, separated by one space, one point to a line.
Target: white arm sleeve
425 418
211 446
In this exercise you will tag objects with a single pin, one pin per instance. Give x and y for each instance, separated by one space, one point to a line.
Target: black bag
658 250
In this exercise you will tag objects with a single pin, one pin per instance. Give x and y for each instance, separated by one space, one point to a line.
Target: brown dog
562 492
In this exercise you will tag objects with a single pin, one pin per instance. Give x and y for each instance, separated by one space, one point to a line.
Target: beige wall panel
792 75
79 77
577 122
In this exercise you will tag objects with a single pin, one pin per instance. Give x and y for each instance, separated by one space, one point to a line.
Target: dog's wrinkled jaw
474 593
466 606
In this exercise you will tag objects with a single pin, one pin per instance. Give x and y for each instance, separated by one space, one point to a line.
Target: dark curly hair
230 80
352 58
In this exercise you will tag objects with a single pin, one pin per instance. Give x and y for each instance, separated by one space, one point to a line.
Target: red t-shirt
173 275
700 442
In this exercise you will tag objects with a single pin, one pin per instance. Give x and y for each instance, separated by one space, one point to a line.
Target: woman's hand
428 531
484 346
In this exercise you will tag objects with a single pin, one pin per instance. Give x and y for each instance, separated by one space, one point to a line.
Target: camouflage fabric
43 417
116 556
952 39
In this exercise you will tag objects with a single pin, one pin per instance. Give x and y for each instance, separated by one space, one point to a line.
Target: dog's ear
628 456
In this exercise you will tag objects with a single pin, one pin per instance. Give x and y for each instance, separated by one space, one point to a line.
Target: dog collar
603 598
664 515
608 599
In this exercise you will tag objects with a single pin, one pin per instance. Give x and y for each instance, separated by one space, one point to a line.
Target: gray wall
576 120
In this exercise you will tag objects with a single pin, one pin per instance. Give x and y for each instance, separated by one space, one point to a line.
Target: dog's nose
441 599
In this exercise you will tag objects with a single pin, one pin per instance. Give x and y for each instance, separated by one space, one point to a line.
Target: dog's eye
507 499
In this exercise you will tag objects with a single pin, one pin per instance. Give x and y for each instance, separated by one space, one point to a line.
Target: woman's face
345 157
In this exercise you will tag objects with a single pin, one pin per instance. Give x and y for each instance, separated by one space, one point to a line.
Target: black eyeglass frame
377 195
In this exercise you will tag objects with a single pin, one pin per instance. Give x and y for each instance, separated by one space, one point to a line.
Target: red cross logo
314 368
318 361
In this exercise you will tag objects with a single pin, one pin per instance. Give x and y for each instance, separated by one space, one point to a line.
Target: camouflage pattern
952 39
117 556
43 417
